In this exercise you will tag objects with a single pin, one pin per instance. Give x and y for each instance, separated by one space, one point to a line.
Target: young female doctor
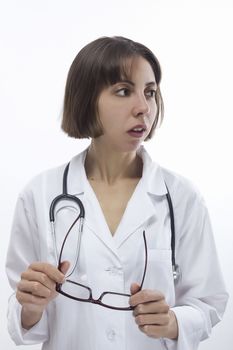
112 251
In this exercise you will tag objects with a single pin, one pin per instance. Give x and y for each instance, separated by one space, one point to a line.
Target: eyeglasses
83 293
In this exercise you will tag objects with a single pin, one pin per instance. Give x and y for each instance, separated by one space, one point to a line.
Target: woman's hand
152 314
36 289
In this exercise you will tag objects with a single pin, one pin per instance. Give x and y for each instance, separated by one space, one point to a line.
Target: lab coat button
114 270
83 278
111 334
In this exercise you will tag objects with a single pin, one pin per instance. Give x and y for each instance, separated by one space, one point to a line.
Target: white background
193 41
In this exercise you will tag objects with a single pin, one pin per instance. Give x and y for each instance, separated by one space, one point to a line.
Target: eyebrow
131 83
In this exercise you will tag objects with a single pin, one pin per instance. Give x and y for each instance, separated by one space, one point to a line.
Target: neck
109 166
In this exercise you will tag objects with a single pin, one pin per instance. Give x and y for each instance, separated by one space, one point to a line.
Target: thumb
64 267
134 288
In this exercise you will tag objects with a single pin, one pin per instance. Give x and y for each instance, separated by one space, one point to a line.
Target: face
127 109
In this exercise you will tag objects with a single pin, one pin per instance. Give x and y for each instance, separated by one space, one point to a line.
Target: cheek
112 118
153 111
110 123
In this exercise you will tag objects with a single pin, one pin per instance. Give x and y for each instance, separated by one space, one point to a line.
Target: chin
122 145
132 146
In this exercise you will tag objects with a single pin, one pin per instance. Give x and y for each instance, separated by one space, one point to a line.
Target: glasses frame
99 300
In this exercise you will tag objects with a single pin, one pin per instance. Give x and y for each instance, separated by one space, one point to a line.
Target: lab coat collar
140 206
152 176
76 180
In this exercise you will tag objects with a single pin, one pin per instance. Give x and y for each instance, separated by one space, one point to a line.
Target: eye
150 93
123 92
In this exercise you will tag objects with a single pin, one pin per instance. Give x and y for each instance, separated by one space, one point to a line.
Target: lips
138 128
137 131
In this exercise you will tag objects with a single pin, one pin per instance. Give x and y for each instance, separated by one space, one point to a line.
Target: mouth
138 131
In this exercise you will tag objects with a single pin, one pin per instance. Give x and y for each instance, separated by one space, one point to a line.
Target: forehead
136 66
140 68
125 69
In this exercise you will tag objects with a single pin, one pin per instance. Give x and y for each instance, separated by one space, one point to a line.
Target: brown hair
99 64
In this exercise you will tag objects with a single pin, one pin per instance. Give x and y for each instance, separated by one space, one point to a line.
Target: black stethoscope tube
65 196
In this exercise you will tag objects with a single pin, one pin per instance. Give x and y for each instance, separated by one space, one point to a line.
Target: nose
141 105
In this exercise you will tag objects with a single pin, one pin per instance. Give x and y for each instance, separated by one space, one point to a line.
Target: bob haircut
101 63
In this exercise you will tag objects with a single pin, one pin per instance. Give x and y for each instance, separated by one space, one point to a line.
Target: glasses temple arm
145 267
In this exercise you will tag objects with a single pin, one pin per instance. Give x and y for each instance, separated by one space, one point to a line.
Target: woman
123 246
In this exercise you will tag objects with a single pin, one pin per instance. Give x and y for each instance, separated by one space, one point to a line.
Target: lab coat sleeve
22 251
201 296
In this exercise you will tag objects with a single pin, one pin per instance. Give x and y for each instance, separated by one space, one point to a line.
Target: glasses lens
116 300
75 290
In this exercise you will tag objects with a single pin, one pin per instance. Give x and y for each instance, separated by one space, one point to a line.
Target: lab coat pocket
159 273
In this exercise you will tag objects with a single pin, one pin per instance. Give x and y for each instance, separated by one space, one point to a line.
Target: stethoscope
68 197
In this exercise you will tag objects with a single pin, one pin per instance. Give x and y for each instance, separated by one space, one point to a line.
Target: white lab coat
112 263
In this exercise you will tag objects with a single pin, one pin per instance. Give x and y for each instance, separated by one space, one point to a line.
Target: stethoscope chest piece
176 273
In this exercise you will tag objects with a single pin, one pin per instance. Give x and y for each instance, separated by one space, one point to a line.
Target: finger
64 267
35 288
153 331
28 298
145 296
157 307
134 288
50 270
152 319
31 275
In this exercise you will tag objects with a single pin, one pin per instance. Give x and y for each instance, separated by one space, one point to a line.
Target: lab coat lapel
141 206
